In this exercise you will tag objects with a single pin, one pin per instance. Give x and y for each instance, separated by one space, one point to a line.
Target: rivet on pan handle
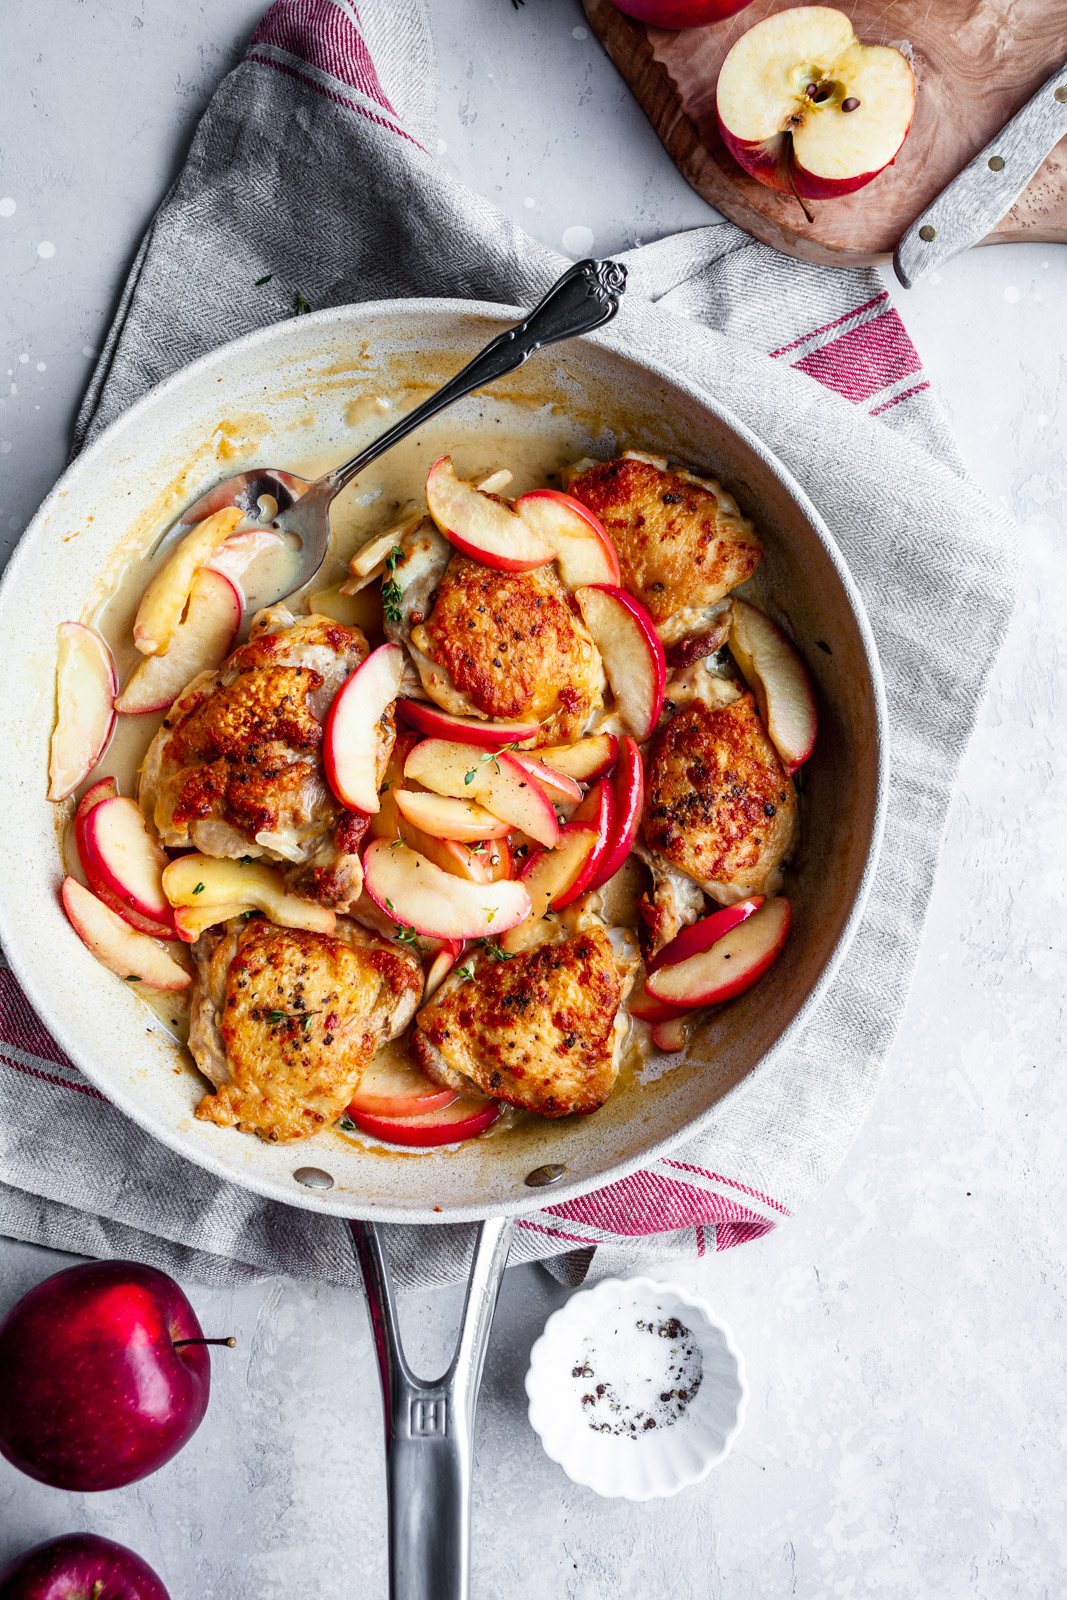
429 1426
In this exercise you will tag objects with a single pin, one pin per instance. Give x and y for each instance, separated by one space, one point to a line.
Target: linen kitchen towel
311 165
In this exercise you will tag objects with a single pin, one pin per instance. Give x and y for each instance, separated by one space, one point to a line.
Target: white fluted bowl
659 1462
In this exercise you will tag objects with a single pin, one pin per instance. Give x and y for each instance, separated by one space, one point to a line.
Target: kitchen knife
988 186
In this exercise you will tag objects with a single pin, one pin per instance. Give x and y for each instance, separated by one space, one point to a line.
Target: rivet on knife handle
988 186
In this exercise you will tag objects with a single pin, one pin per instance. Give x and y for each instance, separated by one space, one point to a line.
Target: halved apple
628 797
85 712
584 551
560 789
207 890
422 896
631 651
203 638
462 1119
133 956
779 680
445 817
589 758
394 1087
730 965
429 719
165 599
807 109
350 737
700 936
480 526
494 779
120 854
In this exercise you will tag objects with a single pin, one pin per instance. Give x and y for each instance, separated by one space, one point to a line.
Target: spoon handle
584 298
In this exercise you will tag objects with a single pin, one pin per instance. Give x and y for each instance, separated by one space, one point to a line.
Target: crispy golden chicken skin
510 644
284 1022
537 1031
682 543
718 803
236 769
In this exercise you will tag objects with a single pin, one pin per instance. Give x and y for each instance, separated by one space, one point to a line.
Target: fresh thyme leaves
465 972
479 849
495 950
303 1017
392 594
199 889
409 937
489 755
300 305
347 1124
261 281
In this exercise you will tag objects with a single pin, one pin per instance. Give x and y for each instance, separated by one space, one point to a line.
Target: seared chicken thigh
682 543
719 805
499 645
284 1022
538 1031
236 769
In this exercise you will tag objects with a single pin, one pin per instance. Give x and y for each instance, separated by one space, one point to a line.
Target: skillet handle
429 1427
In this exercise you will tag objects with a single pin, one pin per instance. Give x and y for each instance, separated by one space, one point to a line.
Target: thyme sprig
303 1017
392 593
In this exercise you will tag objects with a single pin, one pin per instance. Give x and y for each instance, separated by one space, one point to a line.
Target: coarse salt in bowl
636 1388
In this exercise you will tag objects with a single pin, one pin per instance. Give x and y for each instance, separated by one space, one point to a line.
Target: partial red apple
700 936
350 737
132 956
779 679
85 711
560 789
672 1035
423 896
589 758
494 779
583 548
438 724
107 789
807 109
729 966
103 1376
202 639
394 1087
680 13
120 855
481 526
628 797
80 1566
445 817
632 652
641 1005
465 1118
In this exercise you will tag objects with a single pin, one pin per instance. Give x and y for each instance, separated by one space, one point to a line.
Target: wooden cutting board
976 63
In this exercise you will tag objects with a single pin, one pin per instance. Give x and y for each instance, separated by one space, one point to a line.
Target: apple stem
796 197
229 1343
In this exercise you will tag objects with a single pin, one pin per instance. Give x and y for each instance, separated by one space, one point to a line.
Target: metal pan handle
429 1427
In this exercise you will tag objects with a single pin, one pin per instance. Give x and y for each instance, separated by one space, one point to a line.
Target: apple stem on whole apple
229 1343
788 165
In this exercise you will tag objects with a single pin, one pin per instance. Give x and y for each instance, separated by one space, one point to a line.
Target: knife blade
988 186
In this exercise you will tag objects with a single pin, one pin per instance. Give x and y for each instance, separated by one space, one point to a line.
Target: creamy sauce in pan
501 436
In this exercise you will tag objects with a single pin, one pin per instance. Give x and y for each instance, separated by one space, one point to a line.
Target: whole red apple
96 1390
681 13
80 1566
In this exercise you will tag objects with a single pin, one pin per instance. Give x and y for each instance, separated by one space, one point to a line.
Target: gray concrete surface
905 1336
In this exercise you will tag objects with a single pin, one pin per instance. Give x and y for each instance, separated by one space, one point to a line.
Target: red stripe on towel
865 360
323 35
645 1203
857 311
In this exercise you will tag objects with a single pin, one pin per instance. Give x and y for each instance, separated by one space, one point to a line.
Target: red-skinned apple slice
628 786
207 890
85 712
597 810
672 1035
393 1087
437 724
439 968
107 789
462 1119
350 743
807 109
729 966
632 653
203 638
480 526
585 761
422 896
163 602
495 781
560 789
584 551
641 1005
779 679
485 862
445 817
133 956
700 936
121 855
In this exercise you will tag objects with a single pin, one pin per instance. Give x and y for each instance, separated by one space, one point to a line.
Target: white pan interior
287 395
